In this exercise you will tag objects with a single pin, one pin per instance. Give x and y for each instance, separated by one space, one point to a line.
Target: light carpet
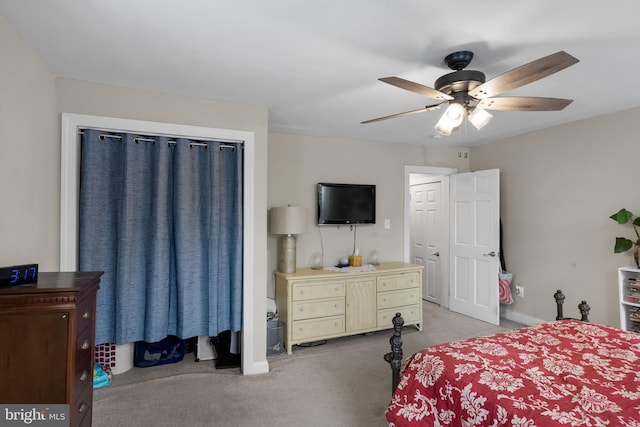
345 382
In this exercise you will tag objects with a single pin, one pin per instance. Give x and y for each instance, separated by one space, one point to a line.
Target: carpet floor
344 382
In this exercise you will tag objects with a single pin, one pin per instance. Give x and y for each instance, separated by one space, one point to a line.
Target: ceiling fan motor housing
459 60
460 81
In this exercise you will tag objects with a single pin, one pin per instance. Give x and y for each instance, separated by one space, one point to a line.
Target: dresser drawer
82 407
314 290
398 281
82 376
318 308
410 314
83 359
81 412
316 328
398 298
85 314
84 344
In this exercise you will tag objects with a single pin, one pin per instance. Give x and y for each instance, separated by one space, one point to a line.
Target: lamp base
287 254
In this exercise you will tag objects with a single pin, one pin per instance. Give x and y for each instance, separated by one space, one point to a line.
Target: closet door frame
69 188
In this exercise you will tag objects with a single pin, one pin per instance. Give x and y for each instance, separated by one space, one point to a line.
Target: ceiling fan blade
416 88
524 103
406 113
524 74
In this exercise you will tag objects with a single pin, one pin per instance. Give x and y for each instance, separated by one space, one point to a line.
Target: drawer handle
84 375
85 315
83 407
85 344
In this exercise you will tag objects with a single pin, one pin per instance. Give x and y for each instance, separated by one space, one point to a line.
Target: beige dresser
315 305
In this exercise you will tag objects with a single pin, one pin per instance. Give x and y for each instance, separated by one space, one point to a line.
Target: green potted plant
623 244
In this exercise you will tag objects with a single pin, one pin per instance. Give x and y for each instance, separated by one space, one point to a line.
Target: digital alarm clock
18 274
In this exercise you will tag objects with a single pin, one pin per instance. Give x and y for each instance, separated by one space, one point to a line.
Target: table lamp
287 222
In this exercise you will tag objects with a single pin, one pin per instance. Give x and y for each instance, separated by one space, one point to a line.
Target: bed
566 372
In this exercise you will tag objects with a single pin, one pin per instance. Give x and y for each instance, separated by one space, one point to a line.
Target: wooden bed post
394 358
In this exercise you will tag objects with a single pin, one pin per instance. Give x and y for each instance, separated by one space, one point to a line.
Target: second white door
427 234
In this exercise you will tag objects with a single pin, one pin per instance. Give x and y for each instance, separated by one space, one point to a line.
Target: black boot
225 359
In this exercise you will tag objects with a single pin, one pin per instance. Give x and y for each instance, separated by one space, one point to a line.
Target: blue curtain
162 217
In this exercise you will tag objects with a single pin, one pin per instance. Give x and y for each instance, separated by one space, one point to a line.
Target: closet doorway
70 166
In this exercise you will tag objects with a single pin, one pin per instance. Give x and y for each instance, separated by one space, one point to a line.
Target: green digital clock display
18 274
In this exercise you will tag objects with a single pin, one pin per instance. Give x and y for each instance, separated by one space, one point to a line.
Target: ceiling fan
469 95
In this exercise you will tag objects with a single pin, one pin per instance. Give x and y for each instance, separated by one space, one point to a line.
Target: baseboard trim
255 368
515 316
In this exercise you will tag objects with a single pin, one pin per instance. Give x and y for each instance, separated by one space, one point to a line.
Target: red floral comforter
563 373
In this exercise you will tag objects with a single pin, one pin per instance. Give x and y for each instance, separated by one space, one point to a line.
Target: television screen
346 203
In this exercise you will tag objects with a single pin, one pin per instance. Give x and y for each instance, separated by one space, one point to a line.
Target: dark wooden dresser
46 342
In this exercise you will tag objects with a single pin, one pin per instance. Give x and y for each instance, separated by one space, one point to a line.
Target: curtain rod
170 142
222 140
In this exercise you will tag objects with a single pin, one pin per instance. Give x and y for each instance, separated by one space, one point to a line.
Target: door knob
436 254
492 253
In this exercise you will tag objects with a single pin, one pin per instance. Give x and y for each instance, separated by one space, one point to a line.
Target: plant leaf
622 245
622 216
636 222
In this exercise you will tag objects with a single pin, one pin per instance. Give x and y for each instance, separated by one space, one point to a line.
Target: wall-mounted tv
346 203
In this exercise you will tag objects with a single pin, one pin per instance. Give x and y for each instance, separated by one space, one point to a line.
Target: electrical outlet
520 291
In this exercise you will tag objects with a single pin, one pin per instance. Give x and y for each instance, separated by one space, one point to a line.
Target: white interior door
427 234
474 244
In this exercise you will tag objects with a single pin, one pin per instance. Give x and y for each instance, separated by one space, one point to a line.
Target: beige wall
298 163
558 189
30 136
29 157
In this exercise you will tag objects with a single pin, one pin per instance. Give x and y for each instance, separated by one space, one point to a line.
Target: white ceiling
315 64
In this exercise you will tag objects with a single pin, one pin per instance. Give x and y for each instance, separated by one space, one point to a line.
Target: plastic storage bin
275 337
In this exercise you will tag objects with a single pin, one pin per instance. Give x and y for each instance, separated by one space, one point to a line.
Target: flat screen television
346 203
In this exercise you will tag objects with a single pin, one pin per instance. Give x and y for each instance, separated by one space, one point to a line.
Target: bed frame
394 357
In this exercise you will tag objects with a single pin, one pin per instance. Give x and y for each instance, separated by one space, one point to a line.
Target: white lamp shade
288 220
479 117
451 119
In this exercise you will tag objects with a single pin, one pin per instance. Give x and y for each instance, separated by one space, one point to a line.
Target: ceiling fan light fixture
451 119
479 117
442 130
